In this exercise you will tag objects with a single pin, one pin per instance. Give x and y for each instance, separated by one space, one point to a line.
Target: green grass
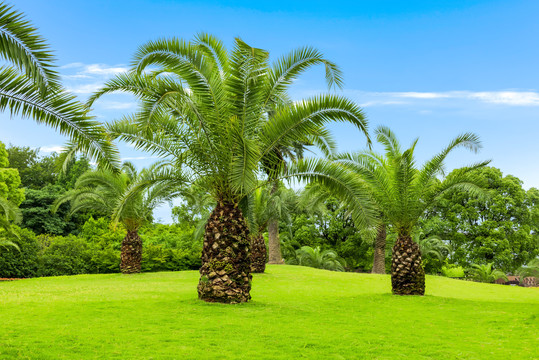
296 312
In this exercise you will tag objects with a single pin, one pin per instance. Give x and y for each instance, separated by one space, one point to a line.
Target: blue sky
427 69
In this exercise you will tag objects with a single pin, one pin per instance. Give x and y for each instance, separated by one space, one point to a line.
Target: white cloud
52 148
84 88
100 69
514 98
117 105
504 97
421 95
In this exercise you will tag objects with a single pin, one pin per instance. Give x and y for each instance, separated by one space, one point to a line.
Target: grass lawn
296 312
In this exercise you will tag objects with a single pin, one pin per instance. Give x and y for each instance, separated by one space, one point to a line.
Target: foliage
38 217
530 269
434 251
20 262
317 258
499 229
453 271
485 273
128 197
403 192
10 180
219 130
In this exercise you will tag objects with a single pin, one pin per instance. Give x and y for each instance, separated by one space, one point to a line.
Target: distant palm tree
206 111
485 273
432 247
530 269
265 205
403 193
317 258
30 87
129 198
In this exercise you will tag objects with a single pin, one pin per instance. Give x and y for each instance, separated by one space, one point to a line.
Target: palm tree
30 87
264 206
317 258
432 247
129 197
531 269
9 214
403 193
205 110
485 273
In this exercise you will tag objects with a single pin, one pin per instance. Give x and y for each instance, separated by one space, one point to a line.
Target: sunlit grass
296 312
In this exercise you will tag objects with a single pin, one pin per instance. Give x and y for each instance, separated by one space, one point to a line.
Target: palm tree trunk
274 244
259 254
225 273
379 263
131 255
407 274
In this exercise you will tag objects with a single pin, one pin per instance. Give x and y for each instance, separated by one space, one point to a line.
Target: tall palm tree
129 197
403 193
30 87
205 110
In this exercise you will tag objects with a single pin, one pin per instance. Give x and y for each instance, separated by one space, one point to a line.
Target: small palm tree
531 269
485 273
30 87
432 248
317 258
402 193
129 197
206 111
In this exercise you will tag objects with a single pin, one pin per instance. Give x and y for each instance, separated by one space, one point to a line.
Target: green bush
453 271
159 258
63 256
20 263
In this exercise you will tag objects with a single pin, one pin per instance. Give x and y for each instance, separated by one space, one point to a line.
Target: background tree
127 199
500 229
218 131
403 193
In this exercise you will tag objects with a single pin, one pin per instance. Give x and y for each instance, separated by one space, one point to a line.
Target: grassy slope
297 312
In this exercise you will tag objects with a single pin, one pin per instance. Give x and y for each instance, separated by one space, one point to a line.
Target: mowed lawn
296 312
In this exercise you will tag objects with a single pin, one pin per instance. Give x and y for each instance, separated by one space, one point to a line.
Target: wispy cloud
117 105
503 98
139 158
84 79
51 149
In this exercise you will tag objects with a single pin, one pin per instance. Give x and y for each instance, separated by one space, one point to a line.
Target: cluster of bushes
96 250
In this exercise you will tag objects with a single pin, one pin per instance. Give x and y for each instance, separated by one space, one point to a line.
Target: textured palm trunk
259 254
379 263
131 255
407 274
274 243
225 273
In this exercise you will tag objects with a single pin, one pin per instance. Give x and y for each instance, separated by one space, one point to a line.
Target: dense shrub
61 255
20 263
453 271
